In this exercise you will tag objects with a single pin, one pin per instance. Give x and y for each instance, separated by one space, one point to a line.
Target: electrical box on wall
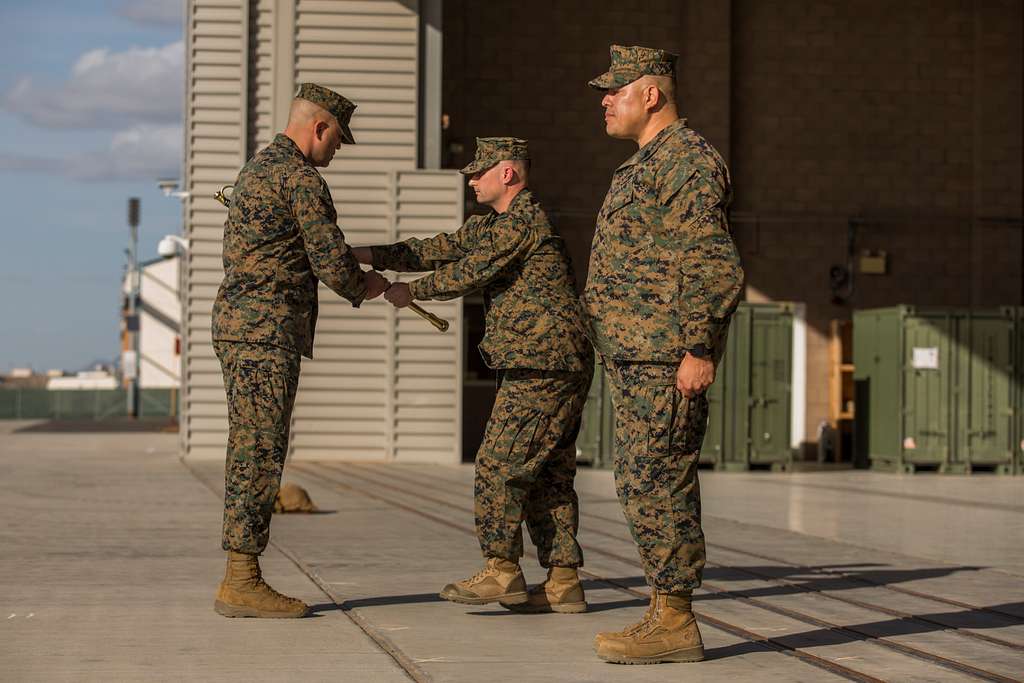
873 262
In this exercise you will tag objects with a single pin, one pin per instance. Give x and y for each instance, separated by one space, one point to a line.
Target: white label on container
926 358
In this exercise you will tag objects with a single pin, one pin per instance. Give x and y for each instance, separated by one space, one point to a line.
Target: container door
734 413
927 349
720 440
714 436
985 390
770 379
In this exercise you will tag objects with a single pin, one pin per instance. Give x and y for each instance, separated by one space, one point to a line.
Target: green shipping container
596 440
934 388
756 404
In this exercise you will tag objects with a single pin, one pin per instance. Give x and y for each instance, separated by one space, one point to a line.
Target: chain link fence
78 404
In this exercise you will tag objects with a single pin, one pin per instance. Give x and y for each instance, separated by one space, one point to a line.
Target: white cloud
143 152
159 12
141 85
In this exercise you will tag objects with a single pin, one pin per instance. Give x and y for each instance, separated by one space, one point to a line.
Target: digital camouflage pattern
664 281
260 381
281 237
630 63
490 151
339 107
658 435
535 333
534 319
526 465
665 276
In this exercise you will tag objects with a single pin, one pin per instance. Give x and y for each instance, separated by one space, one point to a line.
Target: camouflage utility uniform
535 338
280 239
664 281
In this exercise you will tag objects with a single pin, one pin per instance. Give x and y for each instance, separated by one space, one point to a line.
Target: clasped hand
376 284
396 293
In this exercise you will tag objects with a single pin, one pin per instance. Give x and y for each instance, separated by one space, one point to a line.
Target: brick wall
905 115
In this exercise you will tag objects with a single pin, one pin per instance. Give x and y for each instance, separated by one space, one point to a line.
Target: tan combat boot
632 628
244 593
500 580
670 634
560 592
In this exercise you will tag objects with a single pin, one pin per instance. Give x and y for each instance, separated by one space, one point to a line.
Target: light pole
130 360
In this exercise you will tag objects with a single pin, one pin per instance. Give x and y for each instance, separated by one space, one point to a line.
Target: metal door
984 389
770 385
927 367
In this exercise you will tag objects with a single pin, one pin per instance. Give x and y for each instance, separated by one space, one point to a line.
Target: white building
89 379
159 310
385 385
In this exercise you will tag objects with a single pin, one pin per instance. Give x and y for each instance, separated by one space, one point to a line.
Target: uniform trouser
526 465
260 381
658 435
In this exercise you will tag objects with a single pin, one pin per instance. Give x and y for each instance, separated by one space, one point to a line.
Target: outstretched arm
504 242
417 255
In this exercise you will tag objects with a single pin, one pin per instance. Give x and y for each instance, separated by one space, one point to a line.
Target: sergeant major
664 281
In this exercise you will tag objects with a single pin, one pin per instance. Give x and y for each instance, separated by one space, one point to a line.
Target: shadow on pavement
591 607
113 424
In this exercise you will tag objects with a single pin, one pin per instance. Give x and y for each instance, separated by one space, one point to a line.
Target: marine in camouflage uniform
663 283
280 239
535 338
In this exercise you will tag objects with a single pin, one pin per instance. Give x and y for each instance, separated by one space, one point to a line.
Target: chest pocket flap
669 187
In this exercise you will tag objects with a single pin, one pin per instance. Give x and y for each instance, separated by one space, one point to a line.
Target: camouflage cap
341 108
490 151
630 63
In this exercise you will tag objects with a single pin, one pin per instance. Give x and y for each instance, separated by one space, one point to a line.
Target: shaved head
665 84
520 166
303 112
314 130
498 185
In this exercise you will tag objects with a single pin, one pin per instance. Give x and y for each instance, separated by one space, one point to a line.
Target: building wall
382 384
904 117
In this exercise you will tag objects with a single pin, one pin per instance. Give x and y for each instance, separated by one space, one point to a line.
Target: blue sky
91 99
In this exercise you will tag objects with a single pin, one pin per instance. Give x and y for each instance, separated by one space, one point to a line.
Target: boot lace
644 622
259 583
481 575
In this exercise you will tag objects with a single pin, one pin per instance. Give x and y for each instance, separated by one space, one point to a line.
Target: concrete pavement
112 558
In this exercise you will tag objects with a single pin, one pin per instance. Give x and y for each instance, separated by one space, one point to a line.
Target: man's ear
508 175
321 129
652 97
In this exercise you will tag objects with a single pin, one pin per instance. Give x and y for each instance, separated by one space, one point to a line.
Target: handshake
396 293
